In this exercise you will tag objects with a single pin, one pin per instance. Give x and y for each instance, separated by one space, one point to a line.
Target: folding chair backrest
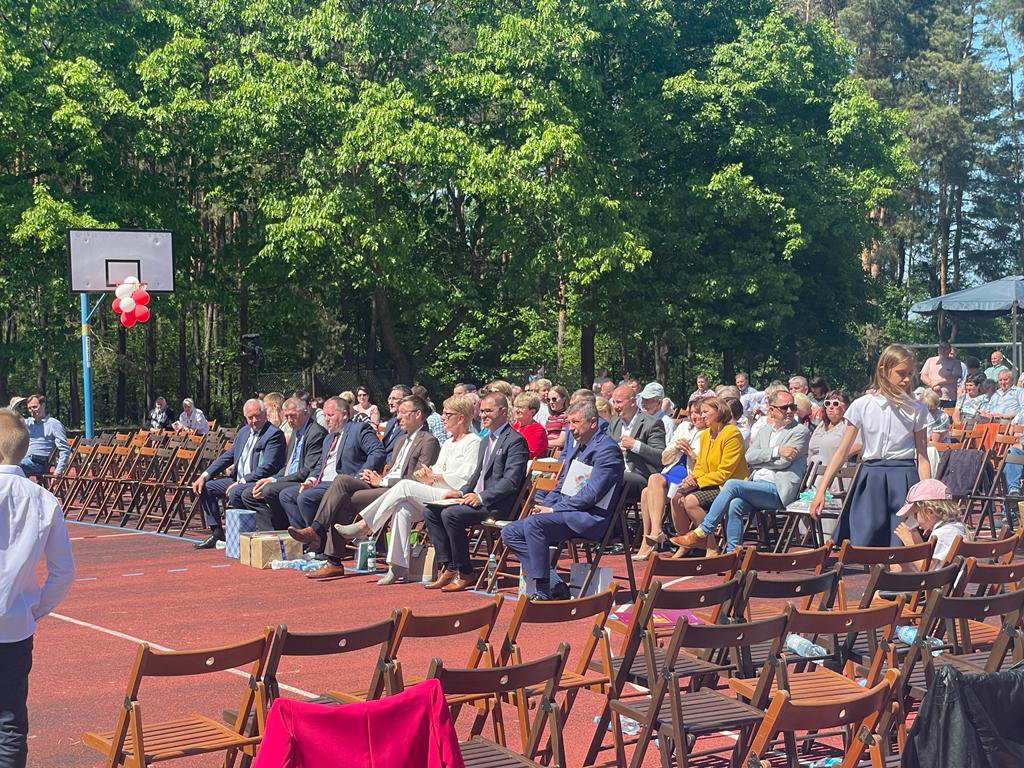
909 582
665 567
783 562
494 685
948 618
479 621
998 550
782 587
559 612
380 634
850 554
877 624
732 641
989 578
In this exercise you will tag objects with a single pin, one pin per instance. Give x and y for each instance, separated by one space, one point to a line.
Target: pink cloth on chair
412 728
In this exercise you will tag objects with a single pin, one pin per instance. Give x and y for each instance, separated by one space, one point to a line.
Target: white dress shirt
31 526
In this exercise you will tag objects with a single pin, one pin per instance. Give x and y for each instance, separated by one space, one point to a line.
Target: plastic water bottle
371 559
908 635
279 565
492 567
630 727
801 646
826 762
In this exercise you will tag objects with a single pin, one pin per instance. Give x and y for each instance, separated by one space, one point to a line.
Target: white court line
107 536
157 646
176 570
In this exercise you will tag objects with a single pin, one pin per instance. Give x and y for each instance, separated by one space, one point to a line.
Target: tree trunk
560 335
587 334
661 358
244 367
729 365
371 335
74 399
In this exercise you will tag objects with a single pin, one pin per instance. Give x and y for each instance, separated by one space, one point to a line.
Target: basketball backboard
100 259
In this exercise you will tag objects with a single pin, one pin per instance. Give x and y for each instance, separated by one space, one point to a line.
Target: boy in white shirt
31 526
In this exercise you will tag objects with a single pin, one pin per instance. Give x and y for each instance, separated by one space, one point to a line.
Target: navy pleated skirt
877 494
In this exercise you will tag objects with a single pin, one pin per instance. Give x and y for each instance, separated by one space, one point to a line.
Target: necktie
244 460
330 459
293 462
485 464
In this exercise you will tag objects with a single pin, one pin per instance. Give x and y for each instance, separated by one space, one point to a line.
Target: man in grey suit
777 459
640 436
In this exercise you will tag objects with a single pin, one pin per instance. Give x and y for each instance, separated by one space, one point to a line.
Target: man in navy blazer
304 451
258 451
349 448
489 493
558 516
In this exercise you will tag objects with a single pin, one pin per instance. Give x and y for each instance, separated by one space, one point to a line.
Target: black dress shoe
210 542
559 591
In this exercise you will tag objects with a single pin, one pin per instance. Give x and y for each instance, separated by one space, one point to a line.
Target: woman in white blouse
405 500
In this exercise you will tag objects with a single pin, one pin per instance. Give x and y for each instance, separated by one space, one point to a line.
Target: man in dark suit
640 436
258 452
349 494
392 427
560 516
489 493
304 450
349 448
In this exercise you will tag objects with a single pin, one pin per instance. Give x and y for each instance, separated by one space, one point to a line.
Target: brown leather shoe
460 584
444 578
305 535
328 572
690 540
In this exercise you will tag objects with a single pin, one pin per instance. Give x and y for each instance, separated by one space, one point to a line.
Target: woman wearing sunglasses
558 401
365 407
826 438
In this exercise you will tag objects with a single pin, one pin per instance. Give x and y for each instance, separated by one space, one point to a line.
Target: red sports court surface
137 586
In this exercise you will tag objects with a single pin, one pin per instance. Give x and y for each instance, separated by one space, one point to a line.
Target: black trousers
448 527
270 515
15 664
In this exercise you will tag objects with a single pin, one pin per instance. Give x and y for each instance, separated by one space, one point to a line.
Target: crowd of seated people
339 471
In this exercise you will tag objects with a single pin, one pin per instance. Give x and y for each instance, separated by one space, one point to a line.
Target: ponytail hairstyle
893 355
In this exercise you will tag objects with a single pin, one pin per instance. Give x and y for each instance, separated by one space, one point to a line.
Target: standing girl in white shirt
893 434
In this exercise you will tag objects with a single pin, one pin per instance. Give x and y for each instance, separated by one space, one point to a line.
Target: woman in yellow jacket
721 457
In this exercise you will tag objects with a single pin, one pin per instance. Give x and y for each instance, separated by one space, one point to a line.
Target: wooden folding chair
143 490
839 630
540 483
860 712
594 674
475 623
887 557
52 481
136 743
678 718
806 560
669 570
379 635
81 487
987 579
643 660
488 688
1000 550
616 537
489 531
946 618
95 499
815 535
912 585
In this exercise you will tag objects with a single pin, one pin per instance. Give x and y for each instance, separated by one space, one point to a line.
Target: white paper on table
576 480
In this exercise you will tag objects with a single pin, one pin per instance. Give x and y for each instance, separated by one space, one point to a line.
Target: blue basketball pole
83 303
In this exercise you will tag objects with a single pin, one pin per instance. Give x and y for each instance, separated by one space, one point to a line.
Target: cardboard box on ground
258 549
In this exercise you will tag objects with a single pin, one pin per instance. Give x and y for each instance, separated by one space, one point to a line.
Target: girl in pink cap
930 511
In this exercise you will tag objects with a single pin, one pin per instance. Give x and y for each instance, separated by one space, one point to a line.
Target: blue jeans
737 499
1012 473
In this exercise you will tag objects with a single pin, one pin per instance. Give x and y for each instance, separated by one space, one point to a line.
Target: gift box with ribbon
259 549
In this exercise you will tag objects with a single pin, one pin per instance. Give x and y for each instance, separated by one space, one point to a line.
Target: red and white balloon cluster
130 302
